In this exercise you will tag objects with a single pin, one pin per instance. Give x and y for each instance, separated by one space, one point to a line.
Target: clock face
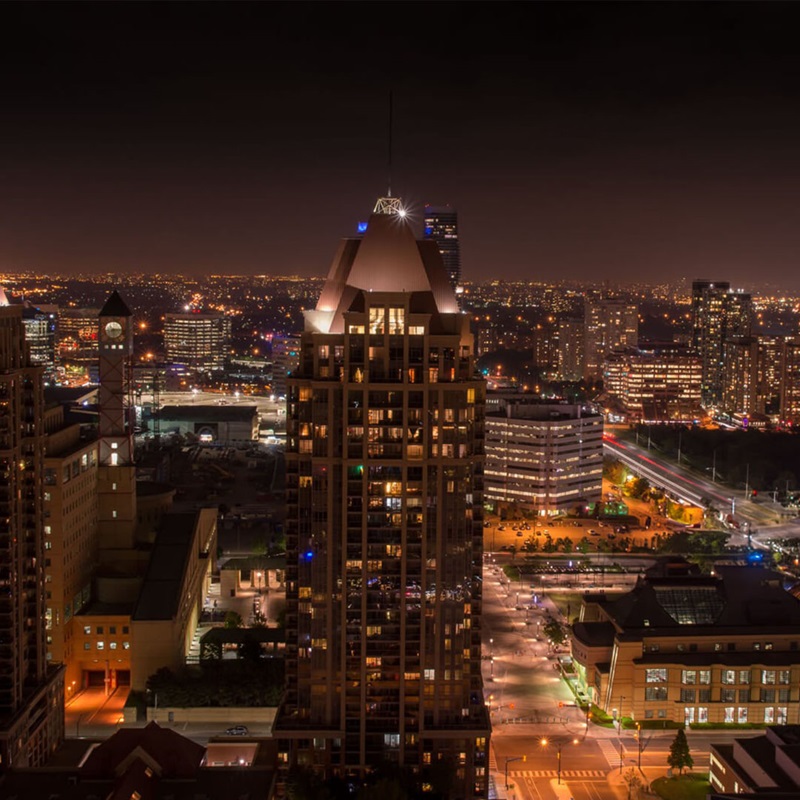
113 330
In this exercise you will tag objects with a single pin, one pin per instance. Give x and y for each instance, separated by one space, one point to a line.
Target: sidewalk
618 782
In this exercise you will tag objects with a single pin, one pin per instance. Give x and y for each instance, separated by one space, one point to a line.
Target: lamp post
544 742
619 732
639 741
509 760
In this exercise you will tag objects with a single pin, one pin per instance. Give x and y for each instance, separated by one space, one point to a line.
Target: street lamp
509 760
639 741
559 745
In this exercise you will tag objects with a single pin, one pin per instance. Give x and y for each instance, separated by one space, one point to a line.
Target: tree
637 487
633 782
233 620
554 632
679 756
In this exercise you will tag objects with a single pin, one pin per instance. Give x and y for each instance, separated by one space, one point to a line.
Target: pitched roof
115 307
388 258
737 598
168 753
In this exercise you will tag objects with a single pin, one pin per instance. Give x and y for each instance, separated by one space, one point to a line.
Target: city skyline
574 140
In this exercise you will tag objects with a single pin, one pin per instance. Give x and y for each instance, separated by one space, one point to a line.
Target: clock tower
116 474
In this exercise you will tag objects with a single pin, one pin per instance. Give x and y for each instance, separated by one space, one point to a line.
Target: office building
718 314
661 385
76 338
31 692
384 523
693 649
196 341
441 225
543 457
610 324
40 334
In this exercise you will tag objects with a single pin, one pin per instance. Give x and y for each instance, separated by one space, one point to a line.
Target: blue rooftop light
362 227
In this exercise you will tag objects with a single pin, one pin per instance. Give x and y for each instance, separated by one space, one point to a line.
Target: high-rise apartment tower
718 313
384 455
610 324
441 225
31 692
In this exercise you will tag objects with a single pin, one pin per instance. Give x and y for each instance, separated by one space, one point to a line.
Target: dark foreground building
31 691
384 522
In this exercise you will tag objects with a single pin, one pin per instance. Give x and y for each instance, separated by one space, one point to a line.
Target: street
534 715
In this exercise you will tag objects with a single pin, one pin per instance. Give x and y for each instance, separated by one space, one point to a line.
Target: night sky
638 141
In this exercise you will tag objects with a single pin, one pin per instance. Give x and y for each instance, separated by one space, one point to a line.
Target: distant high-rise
285 358
197 341
718 314
441 225
31 692
571 334
609 324
384 461
790 382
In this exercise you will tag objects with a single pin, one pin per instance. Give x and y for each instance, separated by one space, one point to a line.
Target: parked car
237 730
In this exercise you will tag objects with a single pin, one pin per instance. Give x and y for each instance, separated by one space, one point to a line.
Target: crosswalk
610 750
566 775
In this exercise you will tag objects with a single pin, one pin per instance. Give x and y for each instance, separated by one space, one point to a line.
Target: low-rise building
758 766
153 762
218 424
694 649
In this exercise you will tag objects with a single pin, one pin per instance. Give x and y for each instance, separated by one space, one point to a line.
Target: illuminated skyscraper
31 691
718 314
199 342
441 225
384 456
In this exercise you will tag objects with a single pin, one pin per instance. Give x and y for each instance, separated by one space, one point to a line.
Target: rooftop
160 595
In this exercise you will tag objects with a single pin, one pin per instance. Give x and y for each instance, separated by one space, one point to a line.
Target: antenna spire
391 108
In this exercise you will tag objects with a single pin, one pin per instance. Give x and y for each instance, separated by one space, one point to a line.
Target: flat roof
207 413
159 598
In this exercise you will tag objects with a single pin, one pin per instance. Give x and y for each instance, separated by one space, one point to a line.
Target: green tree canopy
680 757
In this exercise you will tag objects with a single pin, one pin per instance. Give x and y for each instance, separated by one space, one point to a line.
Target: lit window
376 319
